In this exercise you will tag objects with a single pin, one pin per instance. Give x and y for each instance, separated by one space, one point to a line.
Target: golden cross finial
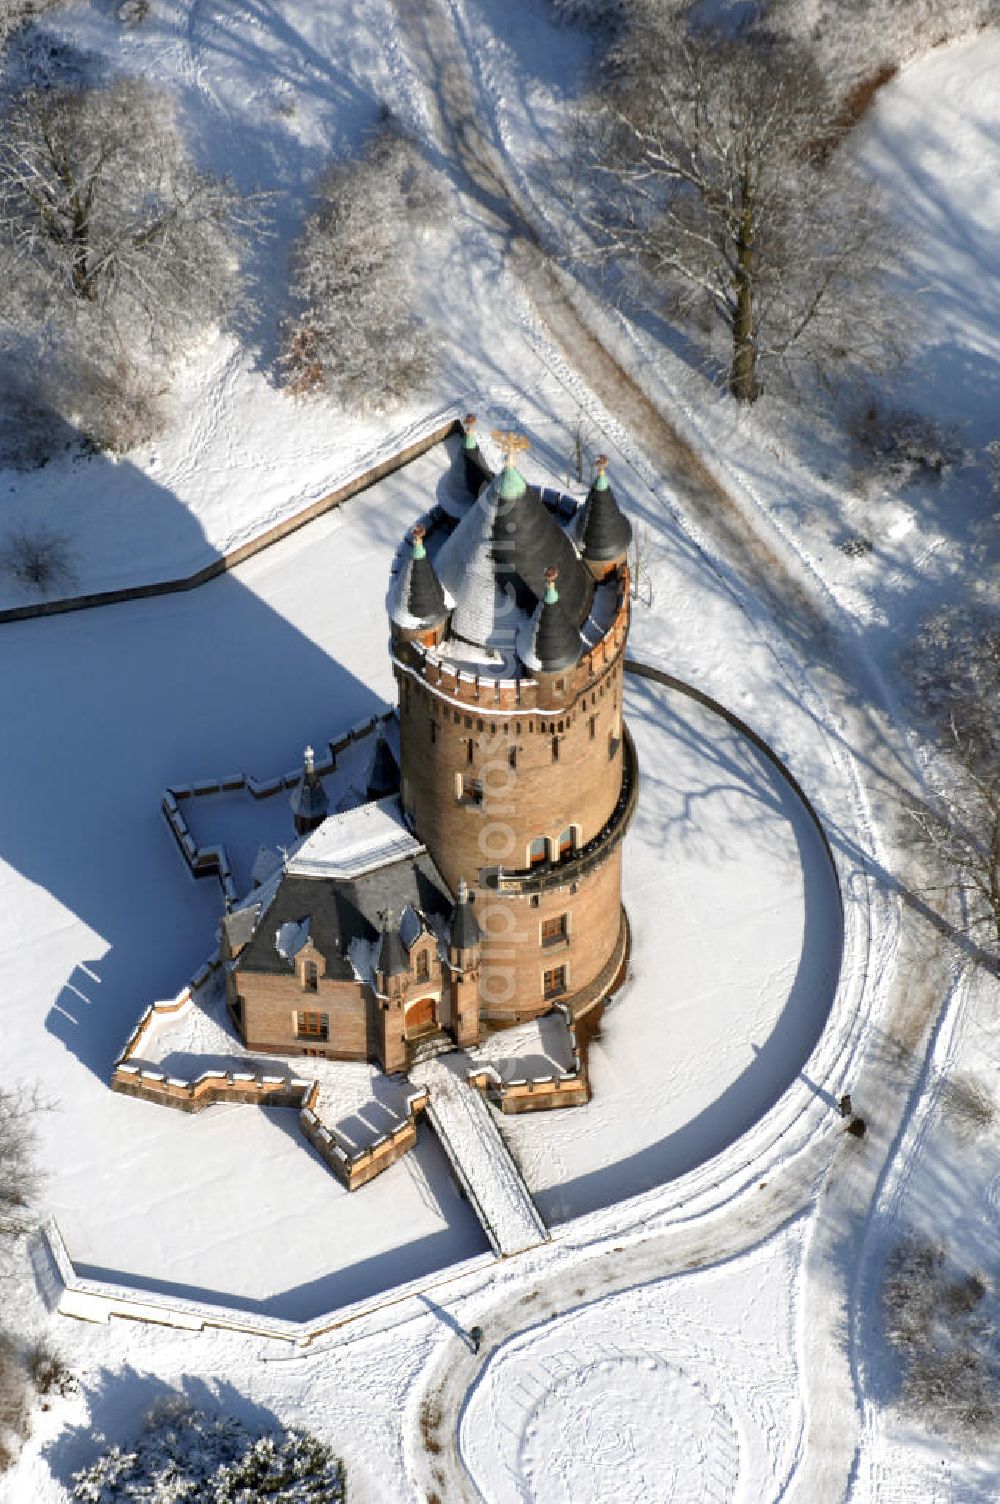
511 443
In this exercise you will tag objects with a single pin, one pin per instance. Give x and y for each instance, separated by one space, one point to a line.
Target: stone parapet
355 1167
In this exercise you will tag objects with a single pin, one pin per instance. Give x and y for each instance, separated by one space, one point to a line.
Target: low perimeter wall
357 1168
352 1167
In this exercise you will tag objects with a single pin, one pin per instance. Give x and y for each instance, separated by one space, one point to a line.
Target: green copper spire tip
512 483
601 482
469 440
551 593
601 479
419 551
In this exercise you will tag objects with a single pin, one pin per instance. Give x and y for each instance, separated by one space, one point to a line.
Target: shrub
191 1457
38 559
901 445
968 1106
937 1319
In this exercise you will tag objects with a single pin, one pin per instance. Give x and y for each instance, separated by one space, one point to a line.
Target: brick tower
509 615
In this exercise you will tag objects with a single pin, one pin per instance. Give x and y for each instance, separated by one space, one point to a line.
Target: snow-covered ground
735 956
106 708
648 1395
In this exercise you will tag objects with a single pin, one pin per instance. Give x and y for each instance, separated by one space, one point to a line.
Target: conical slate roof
383 779
391 952
309 801
463 931
552 642
605 532
507 539
417 600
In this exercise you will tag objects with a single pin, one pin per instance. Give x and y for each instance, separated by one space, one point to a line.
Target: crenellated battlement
490 692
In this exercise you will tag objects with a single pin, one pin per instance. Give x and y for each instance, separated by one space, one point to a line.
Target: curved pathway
816 644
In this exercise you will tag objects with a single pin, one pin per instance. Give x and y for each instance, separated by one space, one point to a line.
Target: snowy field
98 915
627 1398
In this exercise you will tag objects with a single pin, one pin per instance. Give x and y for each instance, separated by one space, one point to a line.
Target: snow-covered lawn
648 1395
735 922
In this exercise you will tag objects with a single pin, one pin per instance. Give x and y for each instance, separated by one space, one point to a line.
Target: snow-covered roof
493 564
349 844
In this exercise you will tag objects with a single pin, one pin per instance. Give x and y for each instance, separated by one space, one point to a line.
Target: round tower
516 768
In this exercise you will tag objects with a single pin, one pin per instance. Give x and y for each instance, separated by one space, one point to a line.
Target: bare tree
104 217
954 665
706 170
962 830
18 1173
17 13
356 337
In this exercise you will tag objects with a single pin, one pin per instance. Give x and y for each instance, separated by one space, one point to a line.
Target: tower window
512 757
567 842
554 981
554 930
593 727
423 967
310 976
470 750
555 749
538 851
433 731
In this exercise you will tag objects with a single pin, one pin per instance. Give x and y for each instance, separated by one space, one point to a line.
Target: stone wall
208 861
271 1001
538 1093
354 1168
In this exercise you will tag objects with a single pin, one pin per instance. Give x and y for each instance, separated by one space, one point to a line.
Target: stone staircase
430 1046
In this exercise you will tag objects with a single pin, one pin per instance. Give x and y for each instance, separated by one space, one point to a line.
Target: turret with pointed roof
498 554
475 467
310 805
551 642
604 531
463 929
383 776
417 602
392 960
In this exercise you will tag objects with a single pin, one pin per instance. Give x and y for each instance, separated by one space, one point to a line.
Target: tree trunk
80 237
743 373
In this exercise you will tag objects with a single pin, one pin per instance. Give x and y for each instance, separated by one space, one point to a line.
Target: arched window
567 842
538 851
423 966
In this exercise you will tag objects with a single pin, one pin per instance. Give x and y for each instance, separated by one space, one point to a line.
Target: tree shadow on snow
118 1403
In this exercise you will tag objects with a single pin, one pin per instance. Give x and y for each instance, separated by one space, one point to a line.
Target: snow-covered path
464 1125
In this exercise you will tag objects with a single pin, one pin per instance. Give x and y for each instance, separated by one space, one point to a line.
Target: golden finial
510 443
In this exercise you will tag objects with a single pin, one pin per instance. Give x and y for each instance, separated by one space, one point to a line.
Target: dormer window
310 976
423 969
